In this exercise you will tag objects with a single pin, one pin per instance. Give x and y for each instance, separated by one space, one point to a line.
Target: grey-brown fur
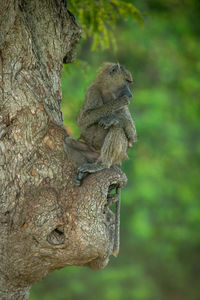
105 121
107 127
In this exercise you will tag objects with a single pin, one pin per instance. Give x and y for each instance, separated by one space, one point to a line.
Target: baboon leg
79 152
115 147
113 152
81 155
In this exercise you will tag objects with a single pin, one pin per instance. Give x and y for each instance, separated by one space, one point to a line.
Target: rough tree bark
46 222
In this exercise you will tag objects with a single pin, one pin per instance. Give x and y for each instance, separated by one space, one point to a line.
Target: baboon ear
122 68
113 69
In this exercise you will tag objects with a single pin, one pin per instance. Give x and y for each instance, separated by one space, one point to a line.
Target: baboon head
115 78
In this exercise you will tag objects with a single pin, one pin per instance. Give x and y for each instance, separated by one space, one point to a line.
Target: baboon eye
113 69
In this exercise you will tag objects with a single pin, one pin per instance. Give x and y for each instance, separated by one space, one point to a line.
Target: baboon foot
79 177
91 168
86 169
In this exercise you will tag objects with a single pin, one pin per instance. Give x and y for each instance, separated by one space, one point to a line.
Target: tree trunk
46 222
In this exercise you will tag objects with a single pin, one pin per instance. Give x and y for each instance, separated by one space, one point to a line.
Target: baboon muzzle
125 91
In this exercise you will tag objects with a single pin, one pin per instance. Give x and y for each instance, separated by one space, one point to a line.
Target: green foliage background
160 219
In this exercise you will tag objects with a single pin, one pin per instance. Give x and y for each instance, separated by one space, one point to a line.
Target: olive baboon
107 128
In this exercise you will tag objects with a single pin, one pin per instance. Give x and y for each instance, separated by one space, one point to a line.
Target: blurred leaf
98 18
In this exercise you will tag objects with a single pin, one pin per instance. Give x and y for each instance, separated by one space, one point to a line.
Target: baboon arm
126 122
130 132
92 116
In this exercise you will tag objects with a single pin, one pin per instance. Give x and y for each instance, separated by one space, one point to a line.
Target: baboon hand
124 100
131 140
106 123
